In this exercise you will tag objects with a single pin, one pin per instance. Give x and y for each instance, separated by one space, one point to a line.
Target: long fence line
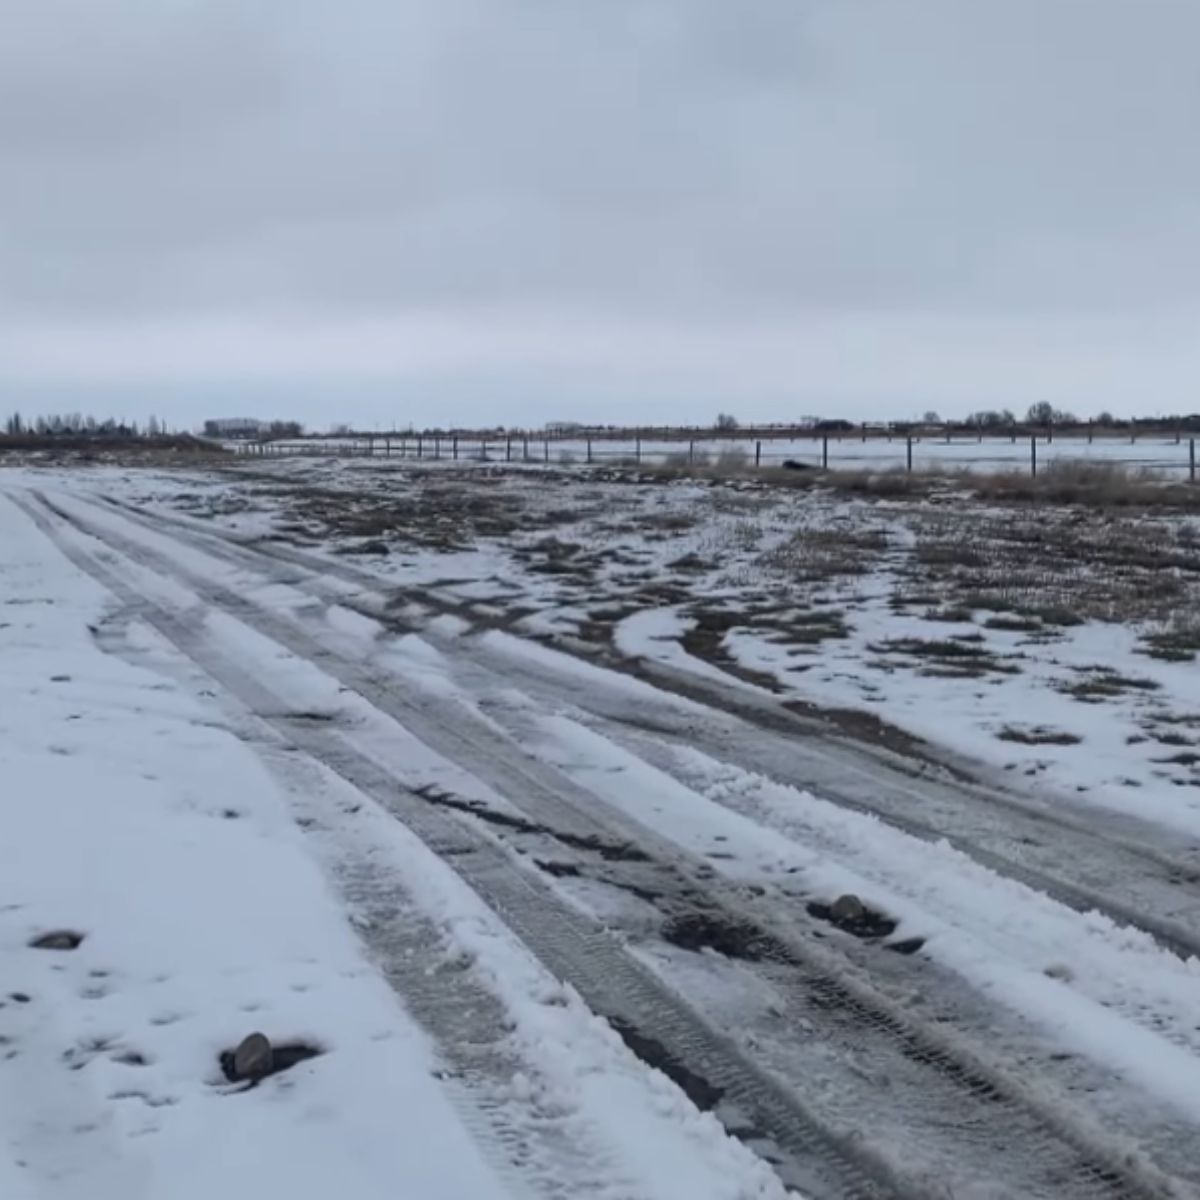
831 451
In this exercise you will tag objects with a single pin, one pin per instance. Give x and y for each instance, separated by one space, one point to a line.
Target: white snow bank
130 817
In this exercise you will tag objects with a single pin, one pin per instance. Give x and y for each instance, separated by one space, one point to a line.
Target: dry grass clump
813 554
1096 484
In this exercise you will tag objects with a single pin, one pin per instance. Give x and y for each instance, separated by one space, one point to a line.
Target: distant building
235 427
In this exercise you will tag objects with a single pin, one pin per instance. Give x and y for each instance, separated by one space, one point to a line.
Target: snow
1108 998
200 927
968 714
165 825
653 635
1000 936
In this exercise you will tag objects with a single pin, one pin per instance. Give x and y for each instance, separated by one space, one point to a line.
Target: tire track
826 1164
1002 835
991 1111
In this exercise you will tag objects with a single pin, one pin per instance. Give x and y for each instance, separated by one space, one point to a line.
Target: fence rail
1166 456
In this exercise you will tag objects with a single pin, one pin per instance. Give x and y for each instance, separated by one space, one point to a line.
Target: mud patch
907 946
734 939
609 851
559 870
704 1095
868 925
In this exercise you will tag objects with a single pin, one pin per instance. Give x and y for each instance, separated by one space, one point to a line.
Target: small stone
58 939
847 908
254 1058
1059 971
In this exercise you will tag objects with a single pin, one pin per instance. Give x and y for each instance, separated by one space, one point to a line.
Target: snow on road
134 813
1093 1020
131 817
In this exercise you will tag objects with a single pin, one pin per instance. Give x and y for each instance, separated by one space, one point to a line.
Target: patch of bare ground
1091 484
814 554
1177 641
1037 735
1100 683
1058 569
963 657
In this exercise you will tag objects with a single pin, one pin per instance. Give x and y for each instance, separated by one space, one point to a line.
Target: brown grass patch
1038 735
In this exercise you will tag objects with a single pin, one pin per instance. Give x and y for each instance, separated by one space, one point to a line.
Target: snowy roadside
134 820
135 817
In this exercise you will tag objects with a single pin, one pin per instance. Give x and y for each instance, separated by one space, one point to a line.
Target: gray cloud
670 198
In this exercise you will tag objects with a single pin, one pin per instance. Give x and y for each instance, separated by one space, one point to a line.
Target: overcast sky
469 211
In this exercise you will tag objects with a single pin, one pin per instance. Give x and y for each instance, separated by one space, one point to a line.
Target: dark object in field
790 464
57 939
849 913
255 1059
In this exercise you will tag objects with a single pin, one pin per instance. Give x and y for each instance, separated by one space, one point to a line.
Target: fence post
1091 429
525 448
483 449
508 449
1192 459
589 451
758 454
825 453
637 450
437 447
908 453
1033 456
1178 435
454 446
546 449
691 452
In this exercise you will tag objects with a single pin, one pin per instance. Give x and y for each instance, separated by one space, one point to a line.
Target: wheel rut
1131 883
991 1113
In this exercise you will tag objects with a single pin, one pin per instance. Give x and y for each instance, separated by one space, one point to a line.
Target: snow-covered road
594 883
222 885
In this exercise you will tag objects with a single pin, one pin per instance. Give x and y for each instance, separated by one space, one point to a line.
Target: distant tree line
77 425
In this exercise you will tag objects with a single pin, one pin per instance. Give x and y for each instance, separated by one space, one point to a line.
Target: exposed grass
1095 484
948 658
1038 735
931 648
951 614
1102 683
814 554
1062 567
1185 758
1178 642
1014 623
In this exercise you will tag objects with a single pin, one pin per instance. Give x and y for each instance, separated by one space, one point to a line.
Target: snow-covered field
526 801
